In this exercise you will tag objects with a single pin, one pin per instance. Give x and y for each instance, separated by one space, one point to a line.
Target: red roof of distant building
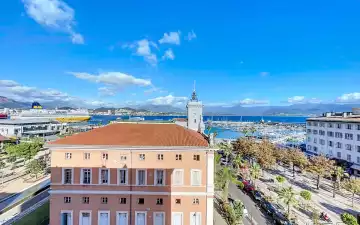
137 134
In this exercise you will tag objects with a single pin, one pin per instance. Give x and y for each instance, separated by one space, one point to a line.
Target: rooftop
25 121
137 134
336 119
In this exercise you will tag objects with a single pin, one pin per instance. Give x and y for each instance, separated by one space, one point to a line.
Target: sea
221 133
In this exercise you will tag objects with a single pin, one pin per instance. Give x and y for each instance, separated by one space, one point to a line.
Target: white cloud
264 74
168 100
349 98
171 38
113 81
169 54
296 99
54 14
302 100
249 101
143 48
191 35
8 83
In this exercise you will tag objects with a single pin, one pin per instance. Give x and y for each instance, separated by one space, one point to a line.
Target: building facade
336 135
132 174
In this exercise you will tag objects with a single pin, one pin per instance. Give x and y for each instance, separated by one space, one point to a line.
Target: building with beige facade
132 174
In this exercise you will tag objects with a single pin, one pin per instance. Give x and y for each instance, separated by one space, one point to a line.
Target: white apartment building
336 135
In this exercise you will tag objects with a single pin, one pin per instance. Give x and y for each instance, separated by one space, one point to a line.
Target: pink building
132 174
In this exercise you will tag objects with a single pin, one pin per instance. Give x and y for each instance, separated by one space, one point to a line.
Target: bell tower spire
194 96
195 112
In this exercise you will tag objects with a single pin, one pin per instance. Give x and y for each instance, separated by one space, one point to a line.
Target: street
254 212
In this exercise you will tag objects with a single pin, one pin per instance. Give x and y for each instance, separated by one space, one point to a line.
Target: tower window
194 120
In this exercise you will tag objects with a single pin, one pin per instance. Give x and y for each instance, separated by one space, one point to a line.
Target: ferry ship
60 115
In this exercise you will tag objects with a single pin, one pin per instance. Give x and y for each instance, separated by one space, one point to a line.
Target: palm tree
338 172
224 177
255 171
227 148
238 161
288 196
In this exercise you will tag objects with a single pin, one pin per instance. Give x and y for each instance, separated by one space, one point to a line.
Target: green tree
35 167
235 213
315 217
288 196
296 158
227 149
348 219
255 171
338 172
353 186
238 161
224 177
280 179
320 166
306 195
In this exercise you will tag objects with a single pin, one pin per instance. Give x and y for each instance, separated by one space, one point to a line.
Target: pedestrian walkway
321 199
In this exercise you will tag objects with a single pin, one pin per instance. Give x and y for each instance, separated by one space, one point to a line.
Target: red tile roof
137 134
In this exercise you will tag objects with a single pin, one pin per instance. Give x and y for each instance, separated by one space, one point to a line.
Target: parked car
248 188
280 219
267 207
257 195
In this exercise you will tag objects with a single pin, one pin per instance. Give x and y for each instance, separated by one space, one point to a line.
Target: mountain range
295 109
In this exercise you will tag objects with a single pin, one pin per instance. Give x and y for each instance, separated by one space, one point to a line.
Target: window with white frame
330 125
338 125
159 201
105 156
141 177
348 126
86 176
104 218
159 177
66 217
322 141
195 218
196 201
348 136
348 147
68 155
104 176
85 218
67 176
178 157
315 140
85 200
338 145
348 157
123 157
358 148
358 127
358 159
123 176
104 200
331 144
141 156
67 199
160 156
178 177
338 135
159 218
338 155
195 177
330 133
140 218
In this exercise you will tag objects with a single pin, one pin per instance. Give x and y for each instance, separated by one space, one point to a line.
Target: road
253 210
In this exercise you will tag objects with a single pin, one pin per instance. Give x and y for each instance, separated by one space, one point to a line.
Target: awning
355 167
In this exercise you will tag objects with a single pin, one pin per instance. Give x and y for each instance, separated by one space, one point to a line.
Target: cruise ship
61 115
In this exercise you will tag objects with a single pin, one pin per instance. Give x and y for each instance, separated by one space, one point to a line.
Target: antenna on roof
194 85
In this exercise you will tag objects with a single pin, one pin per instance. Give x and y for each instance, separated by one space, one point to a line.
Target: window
105 156
338 125
358 148
86 176
339 155
178 177
104 176
66 217
85 200
308 123
322 141
195 177
330 125
160 157
141 201
358 137
67 199
178 200
309 147
322 132
122 176
123 158
348 126
348 136
197 157
315 149
322 124
68 155
87 155
104 200
330 134
331 144
315 140
358 127
315 124
195 218
178 157
315 131
338 145
142 156
122 200
159 201
309 131
348 147
348 157
85 217
338 135
309 139
358 159
141 177
195 201
67 176
159 177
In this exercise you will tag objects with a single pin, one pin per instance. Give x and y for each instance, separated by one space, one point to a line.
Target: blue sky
139 52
